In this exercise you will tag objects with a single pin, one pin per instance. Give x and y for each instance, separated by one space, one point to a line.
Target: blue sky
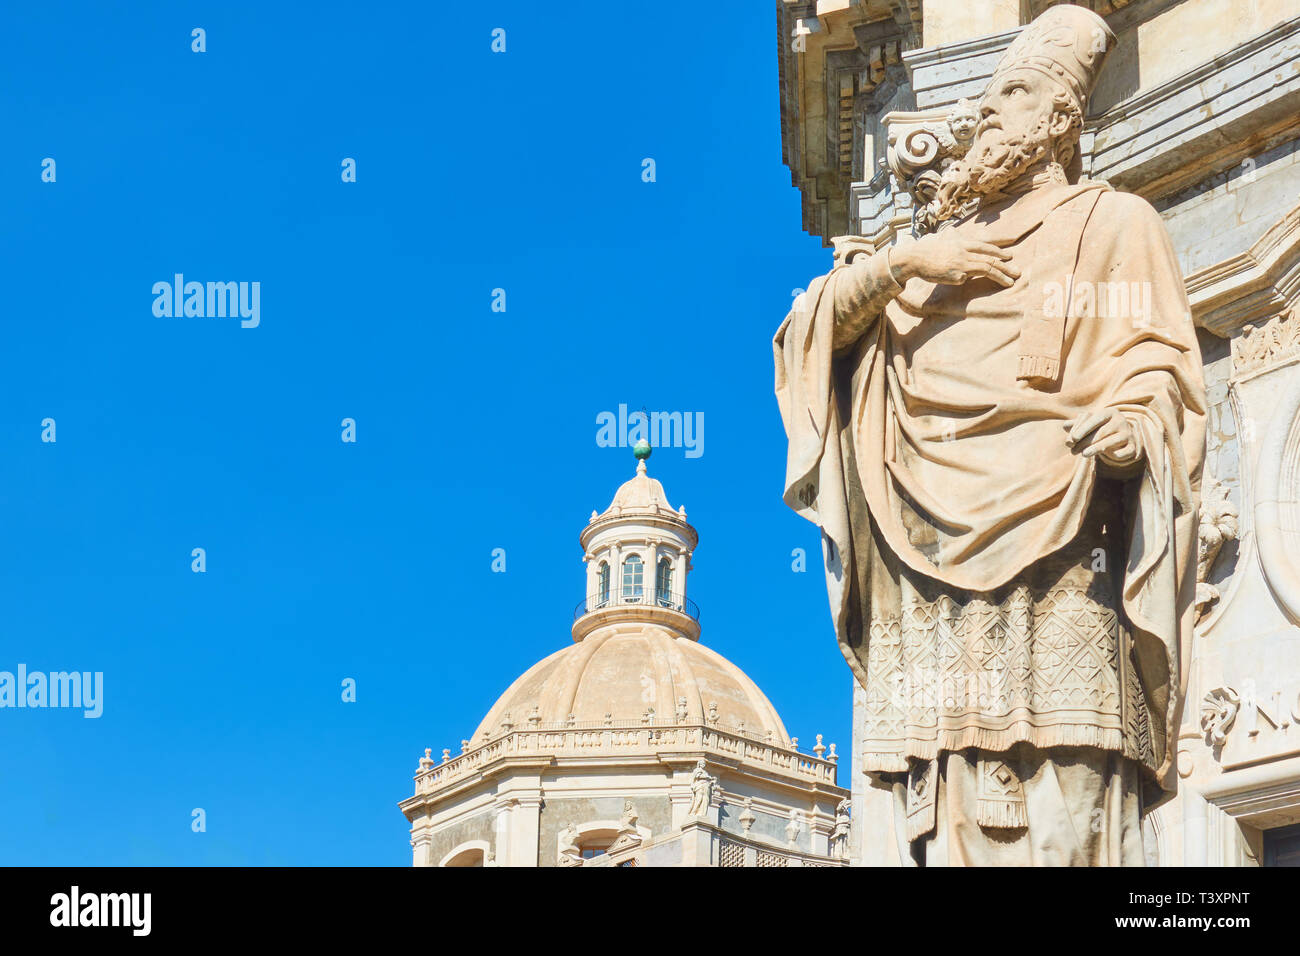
475 429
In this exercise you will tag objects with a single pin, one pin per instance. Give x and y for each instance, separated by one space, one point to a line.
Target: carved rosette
1218 711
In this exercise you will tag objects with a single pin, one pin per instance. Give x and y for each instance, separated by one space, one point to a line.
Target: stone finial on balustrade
571 720
713 713
747 816
609 720
820 748
648 715
534 717
794 744
740 727
506 723
446 754
464 746
833 757
427 760
681 710
770 736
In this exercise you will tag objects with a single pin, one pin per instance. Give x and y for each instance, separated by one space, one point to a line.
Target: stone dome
641 494
624 669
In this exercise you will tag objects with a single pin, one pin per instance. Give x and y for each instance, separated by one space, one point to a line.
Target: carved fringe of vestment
1000 802
1001 798
1044 669
922 785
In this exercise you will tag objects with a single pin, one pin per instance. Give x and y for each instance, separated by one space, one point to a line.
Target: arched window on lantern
602 584
633 570
664 582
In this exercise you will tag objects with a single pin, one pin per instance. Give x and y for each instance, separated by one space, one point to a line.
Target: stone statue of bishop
999 429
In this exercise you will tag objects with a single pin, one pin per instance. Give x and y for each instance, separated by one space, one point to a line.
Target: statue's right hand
949 258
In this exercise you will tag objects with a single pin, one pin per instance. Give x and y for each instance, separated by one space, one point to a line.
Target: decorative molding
1263 347
1155 143
674 618
1032 8
659 737
1164 139
942 75
908 15
1219 710
831 61
1277 510
1251 287
1265 795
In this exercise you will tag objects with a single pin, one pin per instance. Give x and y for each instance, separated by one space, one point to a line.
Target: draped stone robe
927 438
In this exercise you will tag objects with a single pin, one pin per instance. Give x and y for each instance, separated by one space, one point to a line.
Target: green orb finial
642 449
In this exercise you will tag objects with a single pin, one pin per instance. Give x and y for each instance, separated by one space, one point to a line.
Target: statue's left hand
1108 434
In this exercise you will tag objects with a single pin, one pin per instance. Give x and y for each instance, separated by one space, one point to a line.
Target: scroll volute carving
921 148
1218 713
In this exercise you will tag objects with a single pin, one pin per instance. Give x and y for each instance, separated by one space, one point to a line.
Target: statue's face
1018 121
1018 102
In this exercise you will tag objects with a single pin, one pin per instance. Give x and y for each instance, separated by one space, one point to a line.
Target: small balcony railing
617 598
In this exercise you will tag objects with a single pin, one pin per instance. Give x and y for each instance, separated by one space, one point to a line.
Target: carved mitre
1067 43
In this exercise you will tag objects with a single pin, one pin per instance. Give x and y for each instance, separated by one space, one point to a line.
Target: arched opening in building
602 584
594 843
633 574
664 582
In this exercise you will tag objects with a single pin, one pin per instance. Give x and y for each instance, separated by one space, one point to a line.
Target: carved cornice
907 14
1264 795
1155 143
538 747
830 57
1251 287
1204 121
932 68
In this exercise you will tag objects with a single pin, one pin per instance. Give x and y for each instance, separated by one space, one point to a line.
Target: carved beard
996 159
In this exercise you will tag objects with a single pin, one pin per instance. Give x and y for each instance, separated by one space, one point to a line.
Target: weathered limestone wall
1194 31
1227 212
441 842
654 813
951 21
